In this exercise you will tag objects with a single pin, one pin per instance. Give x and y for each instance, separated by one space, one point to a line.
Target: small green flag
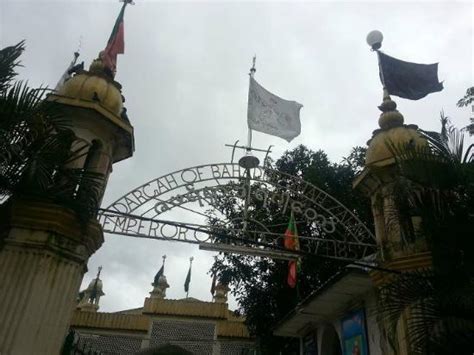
188 280
158 274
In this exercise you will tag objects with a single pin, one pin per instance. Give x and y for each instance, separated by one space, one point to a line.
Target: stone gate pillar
401 248
44 248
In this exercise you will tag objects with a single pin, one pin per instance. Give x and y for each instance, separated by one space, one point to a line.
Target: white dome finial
374 39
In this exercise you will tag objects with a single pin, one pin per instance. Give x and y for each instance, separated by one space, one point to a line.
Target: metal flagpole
189 273
382 79
252 73
249 148
374 40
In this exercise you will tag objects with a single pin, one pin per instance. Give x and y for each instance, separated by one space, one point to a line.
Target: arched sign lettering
157 208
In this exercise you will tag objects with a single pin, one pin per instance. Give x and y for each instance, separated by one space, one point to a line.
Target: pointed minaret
395 239
160 284
221 291
401 247
90 297
44 245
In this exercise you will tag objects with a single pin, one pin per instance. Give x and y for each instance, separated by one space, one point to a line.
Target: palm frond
8 62
79 190
431 307
38 148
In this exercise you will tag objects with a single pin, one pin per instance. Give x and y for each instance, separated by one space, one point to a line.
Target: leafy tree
467 100
260 283
38 147
438 187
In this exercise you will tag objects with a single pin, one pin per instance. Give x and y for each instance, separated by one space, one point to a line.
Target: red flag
116 43
292 266
291 243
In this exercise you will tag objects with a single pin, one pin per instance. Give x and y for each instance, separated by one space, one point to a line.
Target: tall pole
249 148
374 40
382 79
251 74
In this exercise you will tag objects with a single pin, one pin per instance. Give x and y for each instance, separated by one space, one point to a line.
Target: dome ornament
160 283
374 39
89 298
390 116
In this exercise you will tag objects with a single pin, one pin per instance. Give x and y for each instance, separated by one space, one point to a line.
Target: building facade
341 317
188 325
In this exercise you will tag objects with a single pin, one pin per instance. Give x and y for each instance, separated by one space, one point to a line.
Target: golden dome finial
390 116
98 67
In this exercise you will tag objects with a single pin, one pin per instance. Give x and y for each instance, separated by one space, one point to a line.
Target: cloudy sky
184 76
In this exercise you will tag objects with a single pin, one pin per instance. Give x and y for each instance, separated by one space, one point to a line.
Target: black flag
408 80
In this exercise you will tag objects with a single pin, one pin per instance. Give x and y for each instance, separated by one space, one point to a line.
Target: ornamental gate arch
181 206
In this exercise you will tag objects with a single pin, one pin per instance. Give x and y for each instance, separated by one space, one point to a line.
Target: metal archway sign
158 208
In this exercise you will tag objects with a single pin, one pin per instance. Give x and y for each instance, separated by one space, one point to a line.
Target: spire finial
160 284
390 117
253 69
99 269
374 39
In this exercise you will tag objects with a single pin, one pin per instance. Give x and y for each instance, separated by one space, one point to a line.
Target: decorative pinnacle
390 116
191 259
253 70
98 271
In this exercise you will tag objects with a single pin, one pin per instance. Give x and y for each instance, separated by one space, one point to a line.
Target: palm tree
436 183
37 147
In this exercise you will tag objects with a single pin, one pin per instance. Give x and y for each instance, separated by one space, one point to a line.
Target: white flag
270 114
67 73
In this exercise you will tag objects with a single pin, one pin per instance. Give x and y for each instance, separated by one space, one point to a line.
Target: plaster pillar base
43 256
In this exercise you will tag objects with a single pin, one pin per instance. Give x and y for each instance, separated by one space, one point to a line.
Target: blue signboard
354 335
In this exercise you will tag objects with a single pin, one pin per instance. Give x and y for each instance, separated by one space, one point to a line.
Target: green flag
188 280
158 274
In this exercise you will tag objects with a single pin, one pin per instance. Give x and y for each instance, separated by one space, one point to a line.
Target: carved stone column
43 256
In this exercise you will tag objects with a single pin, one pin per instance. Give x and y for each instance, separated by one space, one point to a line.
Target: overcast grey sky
184 77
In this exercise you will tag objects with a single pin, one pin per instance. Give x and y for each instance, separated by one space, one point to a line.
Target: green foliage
8 62
440 312
437 185
260 284
38 148
467 99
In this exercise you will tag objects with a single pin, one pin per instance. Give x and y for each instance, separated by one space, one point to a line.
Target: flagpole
374 40
190 267
382 78
249 148
251 74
